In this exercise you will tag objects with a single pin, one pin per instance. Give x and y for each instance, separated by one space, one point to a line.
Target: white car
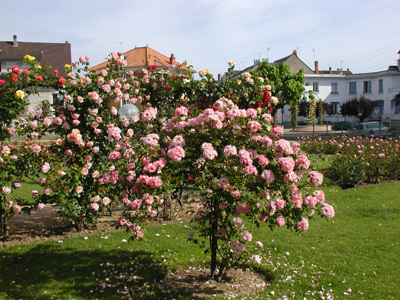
371 129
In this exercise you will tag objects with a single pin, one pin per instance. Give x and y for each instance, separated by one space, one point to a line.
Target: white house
338 86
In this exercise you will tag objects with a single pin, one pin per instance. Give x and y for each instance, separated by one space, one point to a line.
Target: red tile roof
52 54
146 56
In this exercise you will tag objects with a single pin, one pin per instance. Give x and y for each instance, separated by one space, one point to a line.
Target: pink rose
237 247
16 208
311 201
94 206
328 210
114 156
6 190
230 151
45 168
268 176
297 200
238 223
176 154
287 164
106 201
36 148
315 178
280 221
303 224
246 236
243 208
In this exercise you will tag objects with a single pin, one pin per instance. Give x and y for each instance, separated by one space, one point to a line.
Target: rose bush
246 174
358 160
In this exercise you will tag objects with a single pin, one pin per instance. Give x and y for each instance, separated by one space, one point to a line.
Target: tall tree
287 86
361 108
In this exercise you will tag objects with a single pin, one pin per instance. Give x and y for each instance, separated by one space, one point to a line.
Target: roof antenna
122 47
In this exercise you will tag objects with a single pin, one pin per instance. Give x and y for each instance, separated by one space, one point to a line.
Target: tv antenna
122 47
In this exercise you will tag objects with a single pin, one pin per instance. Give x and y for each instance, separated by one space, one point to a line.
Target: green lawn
354 256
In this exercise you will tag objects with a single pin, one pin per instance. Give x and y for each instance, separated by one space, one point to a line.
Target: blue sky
363 36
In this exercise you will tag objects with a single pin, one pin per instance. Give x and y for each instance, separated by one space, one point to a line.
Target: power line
378 50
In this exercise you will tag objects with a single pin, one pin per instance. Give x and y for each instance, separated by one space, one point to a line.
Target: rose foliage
245 174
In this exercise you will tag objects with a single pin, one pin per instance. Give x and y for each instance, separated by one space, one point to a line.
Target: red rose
2 82
39 78
15 69
25 71
62 80
55 72
14 78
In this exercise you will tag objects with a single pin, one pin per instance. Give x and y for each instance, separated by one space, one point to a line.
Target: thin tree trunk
214 240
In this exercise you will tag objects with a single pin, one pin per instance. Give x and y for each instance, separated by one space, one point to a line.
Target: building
142 57
53 54
338 86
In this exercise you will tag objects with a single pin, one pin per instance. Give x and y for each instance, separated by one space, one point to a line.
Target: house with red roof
142 57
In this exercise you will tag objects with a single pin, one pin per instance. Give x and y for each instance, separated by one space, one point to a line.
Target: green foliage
358 160
287 86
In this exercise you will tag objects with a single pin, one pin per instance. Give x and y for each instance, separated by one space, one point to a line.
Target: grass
354 256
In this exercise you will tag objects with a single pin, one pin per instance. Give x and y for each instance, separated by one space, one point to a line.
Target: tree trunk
214 240
4 230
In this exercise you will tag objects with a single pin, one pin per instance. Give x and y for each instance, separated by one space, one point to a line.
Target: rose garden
216 143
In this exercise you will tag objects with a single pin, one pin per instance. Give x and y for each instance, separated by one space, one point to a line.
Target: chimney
172 59
15 42
398 61
316 71
330 70
294 52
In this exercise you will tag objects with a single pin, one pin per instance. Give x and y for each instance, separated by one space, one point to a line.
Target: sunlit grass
354 256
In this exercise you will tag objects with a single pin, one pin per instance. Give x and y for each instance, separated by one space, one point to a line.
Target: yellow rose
29 58
19 94
6 153
274 100
67 66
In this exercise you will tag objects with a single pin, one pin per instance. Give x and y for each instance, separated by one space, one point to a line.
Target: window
380 107
380 85
334 88
367 87
352 87
395 106
315 87
336 108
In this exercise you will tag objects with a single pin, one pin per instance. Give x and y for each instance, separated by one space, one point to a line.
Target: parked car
375 129
342 126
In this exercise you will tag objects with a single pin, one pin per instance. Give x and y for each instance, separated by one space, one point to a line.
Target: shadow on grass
50 272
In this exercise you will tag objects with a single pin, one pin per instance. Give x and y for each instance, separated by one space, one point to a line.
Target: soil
45 225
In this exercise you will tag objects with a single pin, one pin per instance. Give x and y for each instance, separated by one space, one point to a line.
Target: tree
361 108
287 86
322 108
